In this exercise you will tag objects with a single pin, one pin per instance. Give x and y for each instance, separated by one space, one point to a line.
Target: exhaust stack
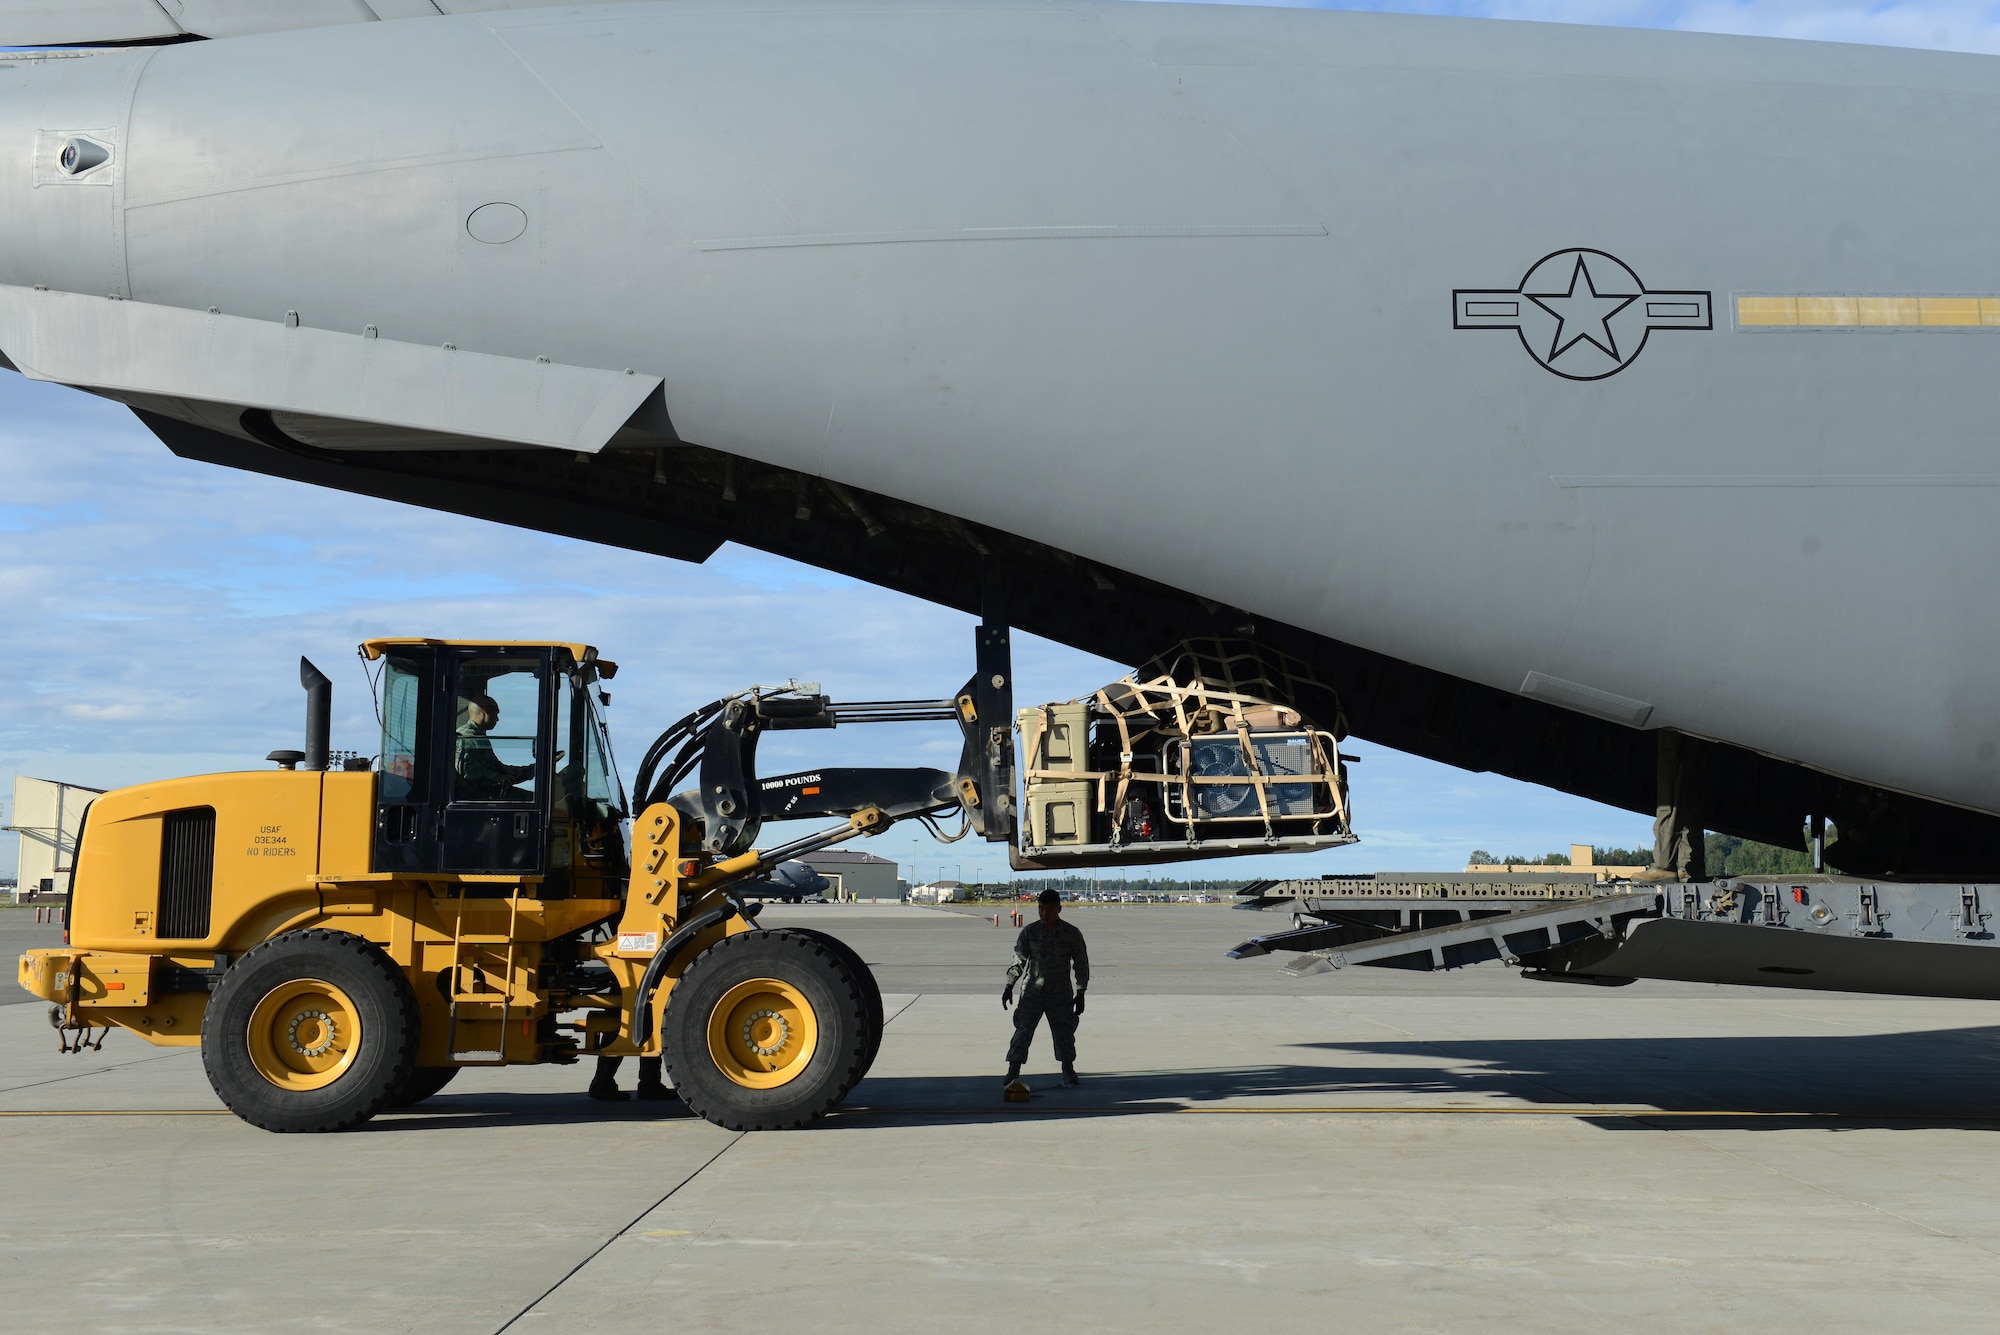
319 714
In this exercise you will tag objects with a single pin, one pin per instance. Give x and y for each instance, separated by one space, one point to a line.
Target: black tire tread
423 1082
318 1111
833 1070
871 993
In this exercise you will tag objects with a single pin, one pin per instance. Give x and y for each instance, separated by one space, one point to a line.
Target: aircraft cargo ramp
1817 932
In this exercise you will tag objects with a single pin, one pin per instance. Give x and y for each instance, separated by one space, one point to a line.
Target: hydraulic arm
342 941
731 803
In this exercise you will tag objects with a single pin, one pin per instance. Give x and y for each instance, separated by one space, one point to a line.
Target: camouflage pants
1060 1008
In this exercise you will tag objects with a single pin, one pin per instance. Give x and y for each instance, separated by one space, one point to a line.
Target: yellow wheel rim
304 1034
762 1033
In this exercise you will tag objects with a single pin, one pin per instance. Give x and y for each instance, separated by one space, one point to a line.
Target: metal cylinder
319 714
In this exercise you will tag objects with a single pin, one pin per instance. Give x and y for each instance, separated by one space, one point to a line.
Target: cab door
494 739
409 787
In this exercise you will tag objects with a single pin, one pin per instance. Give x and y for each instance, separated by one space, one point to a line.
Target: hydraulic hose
669 951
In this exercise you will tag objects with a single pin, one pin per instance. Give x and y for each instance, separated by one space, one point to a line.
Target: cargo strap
1115 785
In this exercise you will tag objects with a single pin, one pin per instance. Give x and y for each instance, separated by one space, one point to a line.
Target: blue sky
154 610
1941 24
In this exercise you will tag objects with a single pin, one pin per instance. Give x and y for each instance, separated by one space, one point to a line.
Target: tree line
1727 856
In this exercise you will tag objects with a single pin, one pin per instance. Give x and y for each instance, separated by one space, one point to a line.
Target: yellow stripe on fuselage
1872 312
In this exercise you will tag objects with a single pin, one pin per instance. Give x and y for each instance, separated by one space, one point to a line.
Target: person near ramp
1045 954
604 1085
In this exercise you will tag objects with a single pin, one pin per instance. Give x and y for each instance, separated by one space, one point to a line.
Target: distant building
1582 857
937 892
856 876
47 816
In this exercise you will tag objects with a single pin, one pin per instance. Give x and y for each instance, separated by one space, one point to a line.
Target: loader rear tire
871 991
311 1031
424 1081
765 1031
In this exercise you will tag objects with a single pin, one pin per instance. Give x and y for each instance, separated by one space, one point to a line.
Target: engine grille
187 873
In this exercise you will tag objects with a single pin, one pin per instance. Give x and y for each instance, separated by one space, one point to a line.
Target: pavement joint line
95 1070
1133 1109
1419 1110
599 1250
117 1112
900 1009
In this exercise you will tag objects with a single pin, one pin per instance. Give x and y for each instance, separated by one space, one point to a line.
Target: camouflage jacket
1043 958
483 776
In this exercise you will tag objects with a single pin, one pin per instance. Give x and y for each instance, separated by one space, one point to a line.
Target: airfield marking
1634 1114
119 1112
1428 1112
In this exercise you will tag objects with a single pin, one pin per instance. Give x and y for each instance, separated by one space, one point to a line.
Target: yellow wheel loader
342 940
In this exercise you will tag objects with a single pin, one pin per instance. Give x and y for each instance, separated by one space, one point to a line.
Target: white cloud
1939 24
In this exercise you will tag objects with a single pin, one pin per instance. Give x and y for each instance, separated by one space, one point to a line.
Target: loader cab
495 761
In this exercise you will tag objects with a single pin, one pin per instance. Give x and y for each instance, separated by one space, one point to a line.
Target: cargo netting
1212 748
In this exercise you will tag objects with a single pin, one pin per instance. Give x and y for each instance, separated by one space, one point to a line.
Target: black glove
1006 996
1079 1003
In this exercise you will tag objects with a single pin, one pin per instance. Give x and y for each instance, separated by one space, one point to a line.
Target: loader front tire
311 1031
871 992
765 1031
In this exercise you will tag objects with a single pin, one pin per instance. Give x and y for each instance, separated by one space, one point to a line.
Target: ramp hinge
1868 919
1971 922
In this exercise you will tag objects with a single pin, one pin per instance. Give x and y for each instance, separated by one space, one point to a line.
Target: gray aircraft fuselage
1638 377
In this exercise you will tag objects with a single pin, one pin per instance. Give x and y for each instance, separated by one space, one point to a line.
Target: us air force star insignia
1582 314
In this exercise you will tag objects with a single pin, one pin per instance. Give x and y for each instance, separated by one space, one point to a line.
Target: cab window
402 729
495 739
587 780
599 783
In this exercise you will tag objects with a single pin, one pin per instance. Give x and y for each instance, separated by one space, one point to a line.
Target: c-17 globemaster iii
1608 409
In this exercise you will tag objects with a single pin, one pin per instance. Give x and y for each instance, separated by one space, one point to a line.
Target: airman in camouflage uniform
651 1088
1045 954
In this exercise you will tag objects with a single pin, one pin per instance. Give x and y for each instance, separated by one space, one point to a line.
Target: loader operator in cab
1046 952
483 776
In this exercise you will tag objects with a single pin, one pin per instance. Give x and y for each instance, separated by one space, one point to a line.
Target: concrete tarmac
1366 1150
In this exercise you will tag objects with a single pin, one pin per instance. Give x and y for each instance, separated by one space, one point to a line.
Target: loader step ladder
464 952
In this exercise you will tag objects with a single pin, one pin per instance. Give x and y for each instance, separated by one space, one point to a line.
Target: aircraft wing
339 384
102 22
62 22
